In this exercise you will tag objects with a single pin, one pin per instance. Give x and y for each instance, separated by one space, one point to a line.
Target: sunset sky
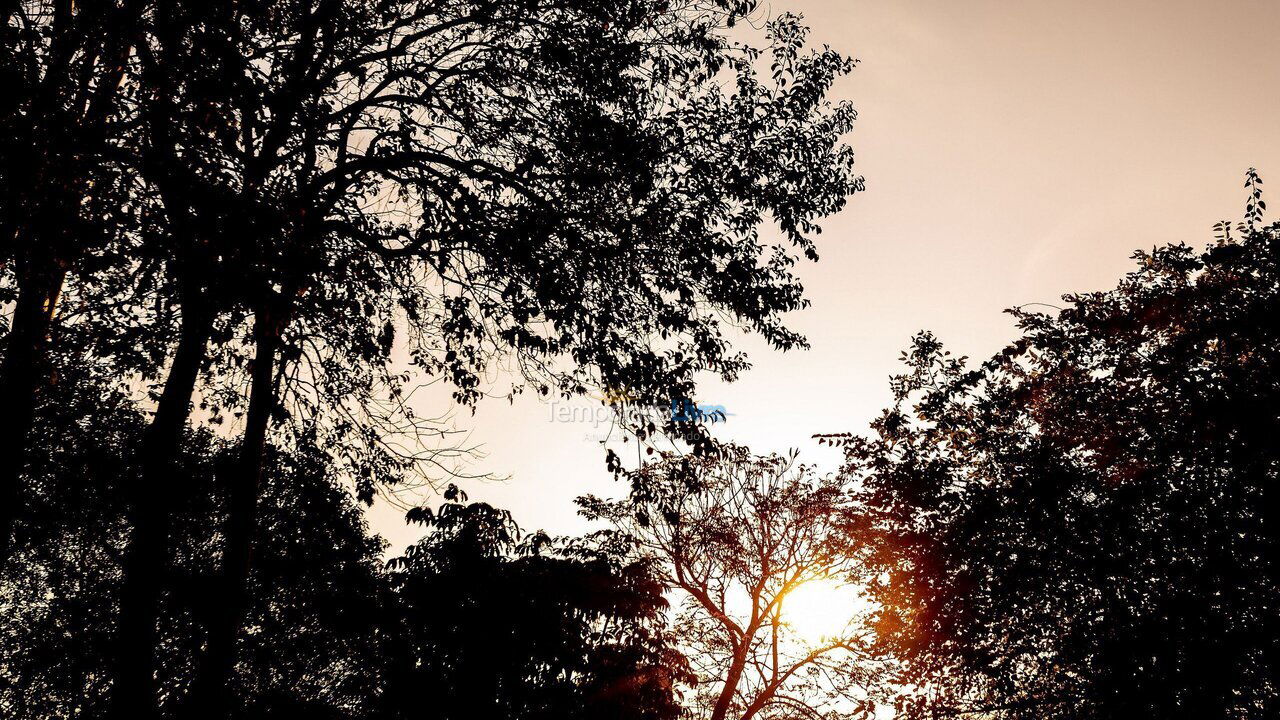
1013 152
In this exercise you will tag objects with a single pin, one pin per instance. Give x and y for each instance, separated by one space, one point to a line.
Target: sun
820 610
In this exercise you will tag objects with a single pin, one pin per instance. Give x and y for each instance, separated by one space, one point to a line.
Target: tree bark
24 374
135 694
212 693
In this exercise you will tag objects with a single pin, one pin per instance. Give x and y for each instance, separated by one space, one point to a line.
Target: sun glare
820 610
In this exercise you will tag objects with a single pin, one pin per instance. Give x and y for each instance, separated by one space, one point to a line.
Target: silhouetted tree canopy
64 209
317 591
733 535
503 627
286 214
1080 526
236 236
474 621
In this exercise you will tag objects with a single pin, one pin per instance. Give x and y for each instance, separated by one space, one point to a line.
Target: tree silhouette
312 186
262 210
494 625
473 621
60 202
1079 527
736 534
316 589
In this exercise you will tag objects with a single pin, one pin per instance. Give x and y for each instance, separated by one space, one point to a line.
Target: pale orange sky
1013 151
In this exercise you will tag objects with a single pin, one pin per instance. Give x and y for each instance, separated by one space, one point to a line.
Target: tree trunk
24 374
731 681
146 559
212 694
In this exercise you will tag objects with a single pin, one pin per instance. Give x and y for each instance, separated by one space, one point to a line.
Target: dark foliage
1080 527
311 637
64 208
499 627
285 213
474 621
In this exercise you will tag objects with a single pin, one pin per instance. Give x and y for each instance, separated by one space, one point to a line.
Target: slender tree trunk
23 375
731 681
766 693
212 694
135 694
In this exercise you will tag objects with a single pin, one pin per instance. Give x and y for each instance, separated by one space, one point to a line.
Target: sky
1013 152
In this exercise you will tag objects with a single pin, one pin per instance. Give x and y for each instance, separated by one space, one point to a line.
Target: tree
60 126
494 626
563 184
736 535
1079 527
577 628
316 588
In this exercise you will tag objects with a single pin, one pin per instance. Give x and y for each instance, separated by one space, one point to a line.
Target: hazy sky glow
1013 151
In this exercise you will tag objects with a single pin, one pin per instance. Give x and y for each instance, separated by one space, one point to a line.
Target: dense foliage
474 621
496 626
276 218
316 586
1080 527
237 235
